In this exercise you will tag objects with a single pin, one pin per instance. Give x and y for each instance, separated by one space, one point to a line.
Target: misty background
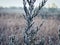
19 3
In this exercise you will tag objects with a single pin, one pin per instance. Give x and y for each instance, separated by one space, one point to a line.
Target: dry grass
15 24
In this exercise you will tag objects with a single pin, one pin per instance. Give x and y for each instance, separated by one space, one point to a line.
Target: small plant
59 35
11 40
30 34
14 40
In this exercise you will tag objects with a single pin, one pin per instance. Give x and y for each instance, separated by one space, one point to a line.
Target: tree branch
25 8
40 6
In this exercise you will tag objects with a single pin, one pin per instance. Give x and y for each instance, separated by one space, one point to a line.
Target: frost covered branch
30 34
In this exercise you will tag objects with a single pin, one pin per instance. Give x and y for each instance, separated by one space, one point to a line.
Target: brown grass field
15 24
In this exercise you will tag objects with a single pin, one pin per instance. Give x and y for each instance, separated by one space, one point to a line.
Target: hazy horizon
19 3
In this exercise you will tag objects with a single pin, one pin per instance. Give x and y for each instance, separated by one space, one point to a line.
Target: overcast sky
19 3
